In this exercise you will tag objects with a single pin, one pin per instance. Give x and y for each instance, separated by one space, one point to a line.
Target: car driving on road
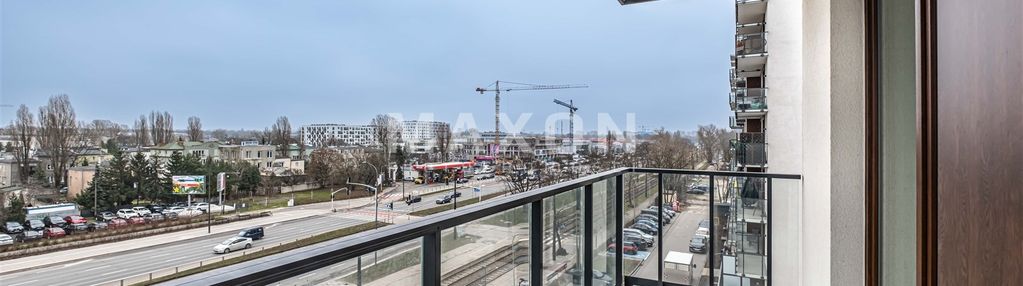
232 244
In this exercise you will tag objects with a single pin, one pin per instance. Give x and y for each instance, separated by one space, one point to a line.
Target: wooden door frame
926 145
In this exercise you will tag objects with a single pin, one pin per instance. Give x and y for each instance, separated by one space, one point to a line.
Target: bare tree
141 131
99 131
280 135
707 136
58 132
387 133
21 131
219 134
194 129
161 127
725 137
443 138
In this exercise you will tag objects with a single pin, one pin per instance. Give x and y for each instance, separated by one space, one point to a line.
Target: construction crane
515 87
571 122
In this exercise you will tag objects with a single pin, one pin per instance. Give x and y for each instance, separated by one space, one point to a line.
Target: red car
630 248
73 219
117 222
136 220
53 232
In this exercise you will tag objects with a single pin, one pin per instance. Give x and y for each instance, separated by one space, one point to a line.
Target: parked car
698 244
76 227
156 208
175 209
704 226
30 235
126 213
443 200
653 218
73 219
231 244
153 217
189 212
627 248
255 233
484 176
645 228
117 222
53 232
6 239
647 222
634 237
202 207
54 221
105 215
98 225
599 278
413 199
640 233
170 215
35 224
215 208
699 190
640 242
12 227
141 210
667 212
136 220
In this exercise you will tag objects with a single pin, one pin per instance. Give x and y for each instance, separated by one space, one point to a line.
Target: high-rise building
322 135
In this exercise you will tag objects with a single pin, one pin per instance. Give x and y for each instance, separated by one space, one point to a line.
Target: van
254 233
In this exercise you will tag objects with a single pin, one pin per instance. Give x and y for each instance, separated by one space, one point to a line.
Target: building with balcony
888 121
323 135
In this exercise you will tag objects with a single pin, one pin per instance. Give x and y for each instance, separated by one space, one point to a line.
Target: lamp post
332 208
376 197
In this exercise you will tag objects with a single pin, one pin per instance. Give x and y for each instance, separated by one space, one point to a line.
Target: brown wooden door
977 82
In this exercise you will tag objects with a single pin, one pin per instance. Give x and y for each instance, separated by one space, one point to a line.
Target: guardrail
596 196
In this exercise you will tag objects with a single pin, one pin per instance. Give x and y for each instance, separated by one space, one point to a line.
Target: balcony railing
736 123
750 44
566 233
743 99
750 149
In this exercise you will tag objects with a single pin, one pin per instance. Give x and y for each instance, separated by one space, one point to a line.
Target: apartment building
251 152
886 122
420 136
323 135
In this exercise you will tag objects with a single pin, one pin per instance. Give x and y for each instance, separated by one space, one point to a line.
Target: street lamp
333 209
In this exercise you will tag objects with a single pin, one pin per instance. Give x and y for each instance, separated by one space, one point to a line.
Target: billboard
188 185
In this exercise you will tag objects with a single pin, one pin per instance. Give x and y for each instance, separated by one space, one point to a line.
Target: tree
322 164
58 132
183 165
709 143
112 186
8 147
141 131
443 138
111 146
400 158
21 132
98 131
219 135
15 210
161 127
724 138
280 135
250 178
194 129
387 133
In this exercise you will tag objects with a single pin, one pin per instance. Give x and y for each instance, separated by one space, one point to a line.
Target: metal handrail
280 266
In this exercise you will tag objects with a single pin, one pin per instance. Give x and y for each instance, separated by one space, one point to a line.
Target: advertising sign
221 182
188 185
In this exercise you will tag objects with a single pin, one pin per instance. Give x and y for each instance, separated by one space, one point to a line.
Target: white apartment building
420 136
321 135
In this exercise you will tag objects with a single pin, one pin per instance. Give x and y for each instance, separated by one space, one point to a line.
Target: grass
275 250
464 202
301 198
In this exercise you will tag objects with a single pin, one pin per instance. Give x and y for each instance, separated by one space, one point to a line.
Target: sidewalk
64 256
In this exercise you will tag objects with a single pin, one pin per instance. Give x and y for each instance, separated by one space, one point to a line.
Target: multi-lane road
108 267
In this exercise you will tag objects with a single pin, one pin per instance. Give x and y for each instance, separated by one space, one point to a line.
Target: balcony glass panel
396 265
750 44
639 192
489 251
603 221
685 231
562 258
741 220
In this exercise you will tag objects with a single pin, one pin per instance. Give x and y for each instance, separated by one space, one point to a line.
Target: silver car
231 244
6 239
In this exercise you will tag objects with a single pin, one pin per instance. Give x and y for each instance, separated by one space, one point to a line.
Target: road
676 238
489 186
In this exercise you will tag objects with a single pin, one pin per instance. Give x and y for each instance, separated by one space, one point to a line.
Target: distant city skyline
241 64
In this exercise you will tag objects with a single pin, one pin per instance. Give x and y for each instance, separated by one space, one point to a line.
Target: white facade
420 136
320 135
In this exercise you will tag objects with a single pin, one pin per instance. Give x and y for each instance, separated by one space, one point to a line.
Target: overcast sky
240 64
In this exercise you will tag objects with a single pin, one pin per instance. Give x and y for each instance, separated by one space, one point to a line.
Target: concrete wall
815 128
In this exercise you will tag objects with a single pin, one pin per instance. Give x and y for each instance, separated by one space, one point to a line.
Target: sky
241 64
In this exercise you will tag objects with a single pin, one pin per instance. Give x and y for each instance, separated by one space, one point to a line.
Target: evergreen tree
112 186
15 210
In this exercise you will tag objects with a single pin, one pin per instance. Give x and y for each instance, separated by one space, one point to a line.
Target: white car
189 212
202 206
221 208
141 211
231 244
176 210
127 213
638 233
6 239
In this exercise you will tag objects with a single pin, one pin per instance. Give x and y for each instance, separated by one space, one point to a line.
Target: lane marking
307 275
76 263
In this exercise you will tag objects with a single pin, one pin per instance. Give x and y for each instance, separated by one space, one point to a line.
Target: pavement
676 238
